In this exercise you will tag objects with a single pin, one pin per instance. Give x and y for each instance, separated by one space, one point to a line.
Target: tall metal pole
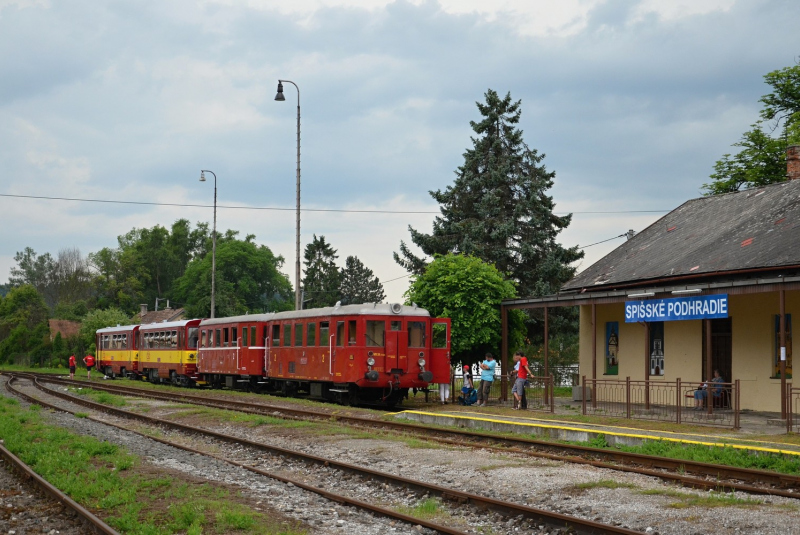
213 242
298 303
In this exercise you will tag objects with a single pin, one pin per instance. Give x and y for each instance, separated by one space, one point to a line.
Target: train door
440 350
396 347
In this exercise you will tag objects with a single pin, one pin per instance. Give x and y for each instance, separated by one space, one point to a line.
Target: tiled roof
67 328
159 316
708 237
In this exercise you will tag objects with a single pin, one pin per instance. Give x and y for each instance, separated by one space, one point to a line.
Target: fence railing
677 401
792 409
538 391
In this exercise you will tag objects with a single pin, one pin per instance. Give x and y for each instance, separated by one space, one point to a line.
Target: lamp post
298 304
213 239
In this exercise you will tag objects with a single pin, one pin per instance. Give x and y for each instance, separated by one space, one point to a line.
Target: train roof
366 309
118 329
165 325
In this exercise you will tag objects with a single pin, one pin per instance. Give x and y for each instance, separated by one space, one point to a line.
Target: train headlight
421 363
370 361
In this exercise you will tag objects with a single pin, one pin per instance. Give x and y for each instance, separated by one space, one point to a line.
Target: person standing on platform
89 361
519 383
72 365
444 389
487 377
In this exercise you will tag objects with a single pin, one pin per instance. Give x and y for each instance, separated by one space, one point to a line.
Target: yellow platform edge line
613 433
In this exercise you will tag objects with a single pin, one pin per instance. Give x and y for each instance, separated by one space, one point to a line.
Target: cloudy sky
631 101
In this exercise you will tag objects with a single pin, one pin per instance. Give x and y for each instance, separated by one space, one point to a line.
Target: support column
594 341
546 354
709 367
647 365
782 351
504 352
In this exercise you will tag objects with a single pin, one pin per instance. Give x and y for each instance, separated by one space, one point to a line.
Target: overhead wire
285 209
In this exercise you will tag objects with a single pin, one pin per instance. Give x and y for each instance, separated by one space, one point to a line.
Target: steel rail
716 477
27 473
552 519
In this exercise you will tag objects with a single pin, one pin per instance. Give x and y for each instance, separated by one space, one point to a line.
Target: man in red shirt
89 361
522 375
72 366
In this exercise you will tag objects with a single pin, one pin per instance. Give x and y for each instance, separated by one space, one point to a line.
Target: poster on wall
612 347
657 348
788 346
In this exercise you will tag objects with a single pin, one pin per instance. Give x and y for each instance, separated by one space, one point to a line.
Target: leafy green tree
35 270
498 210
248 279
322 279
468 291
359 284
23 324
100 319
762 158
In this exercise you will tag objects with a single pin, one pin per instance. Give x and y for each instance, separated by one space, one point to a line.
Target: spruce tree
498 209
322 278
359 284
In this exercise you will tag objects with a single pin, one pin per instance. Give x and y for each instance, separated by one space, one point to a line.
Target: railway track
26 473
690 474
453 497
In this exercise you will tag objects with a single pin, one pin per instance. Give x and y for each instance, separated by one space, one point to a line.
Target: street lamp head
202 176
280 96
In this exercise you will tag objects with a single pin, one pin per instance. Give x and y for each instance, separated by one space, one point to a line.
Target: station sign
699 307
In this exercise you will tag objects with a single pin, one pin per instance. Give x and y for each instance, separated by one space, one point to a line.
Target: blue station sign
700 307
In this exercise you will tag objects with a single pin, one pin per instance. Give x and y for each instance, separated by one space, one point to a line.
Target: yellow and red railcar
117 350
350 354
168 352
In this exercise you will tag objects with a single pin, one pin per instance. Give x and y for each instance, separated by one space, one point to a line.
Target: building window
612 348
777 353
657 348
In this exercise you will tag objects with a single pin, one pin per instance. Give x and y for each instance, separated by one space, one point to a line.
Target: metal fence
792 409
678 401
538 391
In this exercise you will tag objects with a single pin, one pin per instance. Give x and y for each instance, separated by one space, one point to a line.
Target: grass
709 500
106 479
428 509
98 396
603 484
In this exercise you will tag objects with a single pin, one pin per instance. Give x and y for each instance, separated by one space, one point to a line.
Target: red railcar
350 354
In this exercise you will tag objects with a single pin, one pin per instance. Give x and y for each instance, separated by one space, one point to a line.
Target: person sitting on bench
701 393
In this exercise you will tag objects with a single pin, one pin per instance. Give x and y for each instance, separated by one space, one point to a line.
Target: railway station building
712 285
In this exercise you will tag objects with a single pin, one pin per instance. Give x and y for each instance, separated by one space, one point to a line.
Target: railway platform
755 433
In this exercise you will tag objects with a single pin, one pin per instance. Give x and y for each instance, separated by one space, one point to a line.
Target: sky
632 102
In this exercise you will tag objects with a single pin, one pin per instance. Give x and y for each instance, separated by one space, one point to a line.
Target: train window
351 332
193 331
210 338
244 337
376 333
439 335
416 334
203 338
340 334
276 335
311 335
226 337
174 339
396 326
217 338
253 335
287 335
234 336
298 334
323 333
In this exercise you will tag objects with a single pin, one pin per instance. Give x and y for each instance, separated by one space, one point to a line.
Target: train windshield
416 334
375 333
192 339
